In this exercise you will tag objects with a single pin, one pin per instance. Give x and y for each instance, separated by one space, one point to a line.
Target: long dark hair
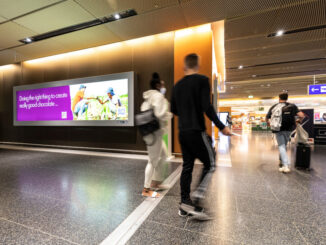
155 80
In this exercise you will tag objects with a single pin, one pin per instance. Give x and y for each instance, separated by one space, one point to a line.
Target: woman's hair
155 80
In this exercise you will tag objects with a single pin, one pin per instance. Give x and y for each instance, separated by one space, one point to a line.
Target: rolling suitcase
302 160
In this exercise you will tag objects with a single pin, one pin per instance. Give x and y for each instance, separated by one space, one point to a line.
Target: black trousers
196 145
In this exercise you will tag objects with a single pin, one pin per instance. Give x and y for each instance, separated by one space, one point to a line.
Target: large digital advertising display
93 101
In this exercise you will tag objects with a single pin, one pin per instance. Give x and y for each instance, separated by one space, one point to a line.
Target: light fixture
250 96
279 33
254 75
80 26
27 40
240 67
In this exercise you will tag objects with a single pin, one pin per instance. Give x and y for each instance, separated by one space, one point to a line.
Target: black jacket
190 100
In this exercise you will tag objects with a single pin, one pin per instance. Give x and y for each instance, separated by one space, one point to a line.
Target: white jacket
156 101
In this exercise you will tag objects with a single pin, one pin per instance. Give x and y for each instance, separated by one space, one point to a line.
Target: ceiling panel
95 36
278 70
9 56
236 8
13 8
270 87
59 16
108 7
306 14
281 49
262 41
251 25
247 43
199 12
163 20
300 55
40 49
2 19
11 32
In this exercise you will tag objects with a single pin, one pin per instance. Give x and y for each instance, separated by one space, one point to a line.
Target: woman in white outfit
154 99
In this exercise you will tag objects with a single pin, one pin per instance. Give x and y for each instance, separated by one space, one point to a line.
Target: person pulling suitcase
282 119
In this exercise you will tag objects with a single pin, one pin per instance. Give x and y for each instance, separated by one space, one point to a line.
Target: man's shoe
182 213
197 212
281 169
286 169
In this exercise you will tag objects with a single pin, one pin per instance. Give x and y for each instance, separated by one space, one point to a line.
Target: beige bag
301 135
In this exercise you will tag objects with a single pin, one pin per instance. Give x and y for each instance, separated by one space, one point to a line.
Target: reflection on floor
253 203
53 198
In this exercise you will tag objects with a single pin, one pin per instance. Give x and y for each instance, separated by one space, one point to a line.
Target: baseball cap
82 86
110 90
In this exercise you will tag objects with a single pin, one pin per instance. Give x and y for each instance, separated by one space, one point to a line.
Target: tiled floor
252 202
51 198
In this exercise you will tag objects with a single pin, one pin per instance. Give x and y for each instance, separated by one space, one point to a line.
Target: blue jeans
80 108
283 137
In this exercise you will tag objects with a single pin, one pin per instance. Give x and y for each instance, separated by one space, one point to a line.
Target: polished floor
52 198
253 203
55 198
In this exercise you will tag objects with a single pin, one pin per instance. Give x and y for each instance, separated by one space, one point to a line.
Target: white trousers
157 154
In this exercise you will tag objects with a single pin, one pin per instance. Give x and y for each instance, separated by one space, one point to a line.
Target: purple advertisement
44 104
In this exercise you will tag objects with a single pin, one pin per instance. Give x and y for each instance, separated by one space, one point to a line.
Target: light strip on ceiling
310 28
81 26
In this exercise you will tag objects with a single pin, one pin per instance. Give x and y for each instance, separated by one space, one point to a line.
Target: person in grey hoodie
157 152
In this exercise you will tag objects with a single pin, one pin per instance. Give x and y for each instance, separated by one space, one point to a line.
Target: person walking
190 100
281 117
157 152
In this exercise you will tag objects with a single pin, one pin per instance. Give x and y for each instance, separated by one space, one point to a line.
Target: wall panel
143 56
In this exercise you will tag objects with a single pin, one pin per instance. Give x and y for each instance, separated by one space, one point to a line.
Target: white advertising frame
84 80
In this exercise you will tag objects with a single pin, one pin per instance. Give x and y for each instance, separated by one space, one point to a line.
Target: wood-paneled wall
144 56
192 40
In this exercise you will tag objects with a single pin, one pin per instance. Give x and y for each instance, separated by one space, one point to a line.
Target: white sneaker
281 169
286 169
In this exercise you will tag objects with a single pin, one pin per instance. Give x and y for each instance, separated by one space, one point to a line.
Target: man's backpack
276 117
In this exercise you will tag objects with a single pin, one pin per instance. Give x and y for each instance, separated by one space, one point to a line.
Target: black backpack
288 117
147 123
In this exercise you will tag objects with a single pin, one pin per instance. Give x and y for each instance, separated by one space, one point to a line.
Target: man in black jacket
190 100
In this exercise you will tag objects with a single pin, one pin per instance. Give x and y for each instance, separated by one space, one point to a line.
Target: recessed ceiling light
250 96
254 75
240 67
268 85
279 33
28 40
117 16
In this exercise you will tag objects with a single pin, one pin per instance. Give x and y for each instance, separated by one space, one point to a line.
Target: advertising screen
320 116
93 101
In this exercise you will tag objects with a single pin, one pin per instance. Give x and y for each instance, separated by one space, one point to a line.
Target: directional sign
317 89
